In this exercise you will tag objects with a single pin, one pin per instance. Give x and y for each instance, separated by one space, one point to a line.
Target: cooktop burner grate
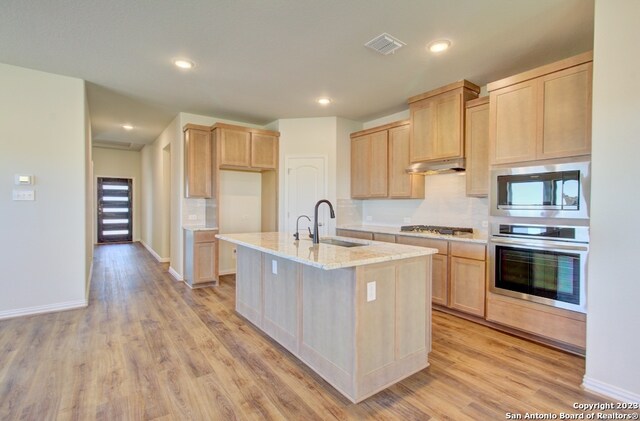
436 229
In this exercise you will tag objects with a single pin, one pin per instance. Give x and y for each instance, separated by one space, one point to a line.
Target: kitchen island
358 314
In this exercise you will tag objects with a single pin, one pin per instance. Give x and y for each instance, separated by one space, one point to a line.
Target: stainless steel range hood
437 167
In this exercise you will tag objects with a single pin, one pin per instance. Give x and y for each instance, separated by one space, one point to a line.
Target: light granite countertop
199 228
325 256
468 238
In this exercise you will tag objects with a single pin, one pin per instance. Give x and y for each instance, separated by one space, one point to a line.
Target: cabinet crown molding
541 71
380 128
465 84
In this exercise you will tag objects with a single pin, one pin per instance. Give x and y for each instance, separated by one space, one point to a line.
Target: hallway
148 347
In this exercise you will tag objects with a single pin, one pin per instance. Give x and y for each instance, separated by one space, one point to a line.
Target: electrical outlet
485 224
24 195
193 217
406 220
274 267
369 218
371 291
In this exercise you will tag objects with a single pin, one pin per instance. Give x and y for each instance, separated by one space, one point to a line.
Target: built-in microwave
541 191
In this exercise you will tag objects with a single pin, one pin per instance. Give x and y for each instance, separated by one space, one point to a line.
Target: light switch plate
371 291
274 267
24 195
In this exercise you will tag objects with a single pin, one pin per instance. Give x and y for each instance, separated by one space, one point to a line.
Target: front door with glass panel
115 217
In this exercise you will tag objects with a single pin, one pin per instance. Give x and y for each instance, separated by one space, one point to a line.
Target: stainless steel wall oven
541 263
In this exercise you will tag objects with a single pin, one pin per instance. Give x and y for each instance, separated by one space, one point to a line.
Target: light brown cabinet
369 156
437 122
197 163
468 268
354 234
551 323
477 147
379 157
200 258
440 266
543 113
243 148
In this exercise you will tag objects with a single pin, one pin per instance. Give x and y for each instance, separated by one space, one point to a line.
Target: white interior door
305 184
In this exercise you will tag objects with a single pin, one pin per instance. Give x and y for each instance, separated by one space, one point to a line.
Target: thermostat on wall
24 180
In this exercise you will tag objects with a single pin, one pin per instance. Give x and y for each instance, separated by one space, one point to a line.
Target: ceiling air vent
385 44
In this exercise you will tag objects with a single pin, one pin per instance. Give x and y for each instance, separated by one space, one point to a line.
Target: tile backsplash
445 203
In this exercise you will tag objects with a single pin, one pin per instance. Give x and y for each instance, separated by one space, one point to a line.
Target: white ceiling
261 60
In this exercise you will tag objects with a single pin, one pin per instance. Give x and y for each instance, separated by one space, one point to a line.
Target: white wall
121 164
613 343
43 253
445 203
240 211
308 137
156 204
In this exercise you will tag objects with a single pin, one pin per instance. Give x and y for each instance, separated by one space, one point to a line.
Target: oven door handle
547 245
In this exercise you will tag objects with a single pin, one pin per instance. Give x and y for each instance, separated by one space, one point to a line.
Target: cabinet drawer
468 250
204 236
538 319
440 245
363 235
387 238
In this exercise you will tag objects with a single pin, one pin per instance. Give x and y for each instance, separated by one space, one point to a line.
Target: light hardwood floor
148 347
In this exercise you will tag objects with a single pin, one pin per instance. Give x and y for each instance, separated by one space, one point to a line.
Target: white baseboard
154 254
175 274
608 390
48 308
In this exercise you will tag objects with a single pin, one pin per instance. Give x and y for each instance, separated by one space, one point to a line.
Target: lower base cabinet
556 324
200 258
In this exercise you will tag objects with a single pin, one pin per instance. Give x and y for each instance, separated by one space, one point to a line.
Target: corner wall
613 288
44 254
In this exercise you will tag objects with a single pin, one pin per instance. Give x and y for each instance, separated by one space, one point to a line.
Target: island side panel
401 308
249 284
280 292
328 325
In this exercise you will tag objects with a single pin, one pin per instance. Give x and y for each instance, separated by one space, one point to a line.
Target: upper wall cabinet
437 122
247 149
379 157
476 143
543 113
198 161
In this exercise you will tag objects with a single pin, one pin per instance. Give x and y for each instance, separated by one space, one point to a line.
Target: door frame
285 207
134 193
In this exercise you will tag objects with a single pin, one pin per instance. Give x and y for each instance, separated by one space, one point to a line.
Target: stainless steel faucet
297 235
316 235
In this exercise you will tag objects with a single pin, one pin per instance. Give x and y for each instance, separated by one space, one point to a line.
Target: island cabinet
244 148
198 153
542 113
476 140
200 257
440 266
379 158
361 328
437 122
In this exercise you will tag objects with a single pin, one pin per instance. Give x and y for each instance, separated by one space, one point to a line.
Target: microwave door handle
554 246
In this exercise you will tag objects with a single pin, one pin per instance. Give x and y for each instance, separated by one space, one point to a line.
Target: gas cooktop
434 229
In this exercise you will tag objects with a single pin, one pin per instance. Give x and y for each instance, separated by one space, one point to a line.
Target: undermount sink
340 243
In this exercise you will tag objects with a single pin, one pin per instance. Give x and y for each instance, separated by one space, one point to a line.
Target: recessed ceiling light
324 101
183 64
127 126
439 45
